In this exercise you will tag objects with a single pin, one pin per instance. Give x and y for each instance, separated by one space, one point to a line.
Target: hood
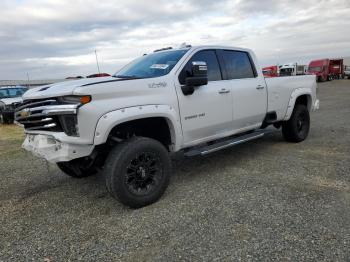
64 88
9 101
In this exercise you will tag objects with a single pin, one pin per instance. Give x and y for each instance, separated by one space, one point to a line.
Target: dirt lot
264 200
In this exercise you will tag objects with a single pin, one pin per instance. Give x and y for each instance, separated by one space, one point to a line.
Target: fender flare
294 96
111 119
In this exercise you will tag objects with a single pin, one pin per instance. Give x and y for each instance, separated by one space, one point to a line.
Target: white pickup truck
192 99
10 97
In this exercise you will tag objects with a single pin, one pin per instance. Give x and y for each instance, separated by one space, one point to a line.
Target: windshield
12 92
315 69
153 65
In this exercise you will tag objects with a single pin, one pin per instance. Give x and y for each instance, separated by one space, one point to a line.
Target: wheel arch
150 118
299 96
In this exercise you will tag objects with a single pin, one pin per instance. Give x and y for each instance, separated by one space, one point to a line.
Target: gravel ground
261 201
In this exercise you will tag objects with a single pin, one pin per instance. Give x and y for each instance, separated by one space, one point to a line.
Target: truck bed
281 88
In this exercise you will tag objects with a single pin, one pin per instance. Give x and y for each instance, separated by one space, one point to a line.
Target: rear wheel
138 171
77 168
296 129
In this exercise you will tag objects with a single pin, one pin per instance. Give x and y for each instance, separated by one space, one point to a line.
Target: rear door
248 89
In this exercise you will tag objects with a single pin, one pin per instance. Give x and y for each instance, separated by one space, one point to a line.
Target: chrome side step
207 149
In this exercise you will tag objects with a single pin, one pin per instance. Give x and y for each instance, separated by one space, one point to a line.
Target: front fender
111 119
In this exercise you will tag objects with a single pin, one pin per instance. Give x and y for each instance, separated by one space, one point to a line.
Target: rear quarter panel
283 91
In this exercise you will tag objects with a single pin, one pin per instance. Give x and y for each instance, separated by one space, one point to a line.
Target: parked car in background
98 75
320 68
270 71
9 98
347 71
336 68
293 69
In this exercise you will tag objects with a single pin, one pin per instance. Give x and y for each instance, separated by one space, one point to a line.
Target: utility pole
98 66
28 79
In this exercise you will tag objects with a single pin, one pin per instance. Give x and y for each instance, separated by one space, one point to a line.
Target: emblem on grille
24 113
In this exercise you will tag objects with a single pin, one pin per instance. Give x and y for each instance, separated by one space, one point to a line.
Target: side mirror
199 77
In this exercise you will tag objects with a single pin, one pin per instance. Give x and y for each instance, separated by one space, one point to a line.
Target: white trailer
293 69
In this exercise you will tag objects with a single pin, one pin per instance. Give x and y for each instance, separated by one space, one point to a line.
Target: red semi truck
270 71
320 68
327 69
336 68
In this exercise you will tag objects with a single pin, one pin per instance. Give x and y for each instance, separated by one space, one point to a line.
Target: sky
52 39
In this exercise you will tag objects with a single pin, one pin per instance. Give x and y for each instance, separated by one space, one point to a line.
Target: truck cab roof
199 47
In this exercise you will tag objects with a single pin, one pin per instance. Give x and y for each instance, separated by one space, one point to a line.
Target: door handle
224 91
260 87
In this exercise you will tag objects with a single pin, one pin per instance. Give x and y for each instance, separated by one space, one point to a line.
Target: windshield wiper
128 77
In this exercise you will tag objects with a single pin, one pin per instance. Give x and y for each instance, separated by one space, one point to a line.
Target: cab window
208 56
238 65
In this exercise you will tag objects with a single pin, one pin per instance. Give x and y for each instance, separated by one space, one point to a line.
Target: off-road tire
76 168
6 120
138 171
296 129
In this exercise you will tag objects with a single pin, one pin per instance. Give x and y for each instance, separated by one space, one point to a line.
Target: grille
46 115
30 114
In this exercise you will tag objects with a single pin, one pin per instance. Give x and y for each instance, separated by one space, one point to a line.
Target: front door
207 113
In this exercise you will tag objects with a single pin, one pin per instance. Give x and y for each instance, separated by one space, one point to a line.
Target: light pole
98 66
28 79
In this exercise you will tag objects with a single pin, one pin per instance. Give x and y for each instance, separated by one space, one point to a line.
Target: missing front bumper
54 151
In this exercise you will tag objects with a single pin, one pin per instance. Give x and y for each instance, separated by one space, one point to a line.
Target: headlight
2 105
69 124
11 107
82 100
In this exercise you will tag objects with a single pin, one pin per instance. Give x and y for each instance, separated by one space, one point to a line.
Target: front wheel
296 129
138 171
5 119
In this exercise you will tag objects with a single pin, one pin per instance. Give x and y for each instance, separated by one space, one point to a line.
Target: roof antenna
98 66
184 45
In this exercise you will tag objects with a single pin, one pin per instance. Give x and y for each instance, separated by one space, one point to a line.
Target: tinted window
4 93
238 65
207 56
12 92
